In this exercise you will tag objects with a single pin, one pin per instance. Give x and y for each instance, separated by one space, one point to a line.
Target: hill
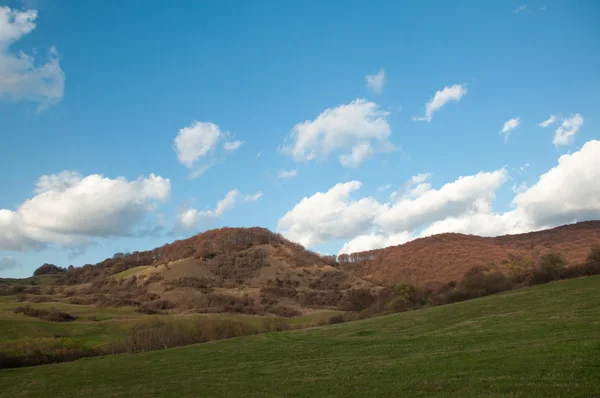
442 258
538 341
237 270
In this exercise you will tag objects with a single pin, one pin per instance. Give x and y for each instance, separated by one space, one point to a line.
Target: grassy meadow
538 341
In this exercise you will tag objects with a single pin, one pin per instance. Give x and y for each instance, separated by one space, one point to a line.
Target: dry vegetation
439 259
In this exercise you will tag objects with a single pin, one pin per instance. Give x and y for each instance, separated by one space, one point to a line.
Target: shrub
274 324
358 299
521 270
217 329
285 312
161 304
594 256
550 267
29 351
51 316
146 310
336 319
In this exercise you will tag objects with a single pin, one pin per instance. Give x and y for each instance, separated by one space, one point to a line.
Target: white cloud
551 120
360 152
283 174
254 197
385 187
329 216
196 141
360 126
565 133
414 187
190 217
441 98
374 241
376 82
69 209
523 168
8 263
522 187
521 8
510 125
232 145
20 77
196 146
567 193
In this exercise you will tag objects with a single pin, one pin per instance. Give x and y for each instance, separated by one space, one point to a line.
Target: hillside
254 271
447 257
539 341
236 270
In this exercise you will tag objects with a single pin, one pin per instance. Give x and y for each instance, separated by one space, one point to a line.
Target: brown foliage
47 315
439 259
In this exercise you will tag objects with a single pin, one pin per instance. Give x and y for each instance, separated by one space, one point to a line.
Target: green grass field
109 324
539 341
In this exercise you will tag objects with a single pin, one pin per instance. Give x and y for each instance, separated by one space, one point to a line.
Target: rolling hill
447 257
538 341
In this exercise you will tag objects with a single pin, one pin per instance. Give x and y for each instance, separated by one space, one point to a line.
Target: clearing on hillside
539 341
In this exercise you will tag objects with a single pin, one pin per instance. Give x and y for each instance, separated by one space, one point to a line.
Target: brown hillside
446 257
239 270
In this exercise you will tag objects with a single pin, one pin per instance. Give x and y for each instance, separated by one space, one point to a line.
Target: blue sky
99 90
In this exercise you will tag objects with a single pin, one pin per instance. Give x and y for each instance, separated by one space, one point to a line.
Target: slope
447 257
539 341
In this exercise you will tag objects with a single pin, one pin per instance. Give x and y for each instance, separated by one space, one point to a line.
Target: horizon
344 130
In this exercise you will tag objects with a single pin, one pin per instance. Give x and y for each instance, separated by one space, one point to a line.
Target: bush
51 316
550 267
146 310
274 324
285 312
594 256
521 270
358 300
29 351
336 319
161 304
217 329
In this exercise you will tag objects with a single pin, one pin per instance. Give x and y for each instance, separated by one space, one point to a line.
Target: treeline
361 303
477 282
155 334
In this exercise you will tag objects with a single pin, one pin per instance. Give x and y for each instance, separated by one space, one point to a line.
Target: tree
551 266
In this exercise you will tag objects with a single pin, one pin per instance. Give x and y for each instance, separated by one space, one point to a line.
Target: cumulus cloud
231 146
284 174
69 210
551 120
441 98
567 193
196 146
21 77
190 217
329 215
375 241
508 126
375 82
8 263
565 133
360 126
